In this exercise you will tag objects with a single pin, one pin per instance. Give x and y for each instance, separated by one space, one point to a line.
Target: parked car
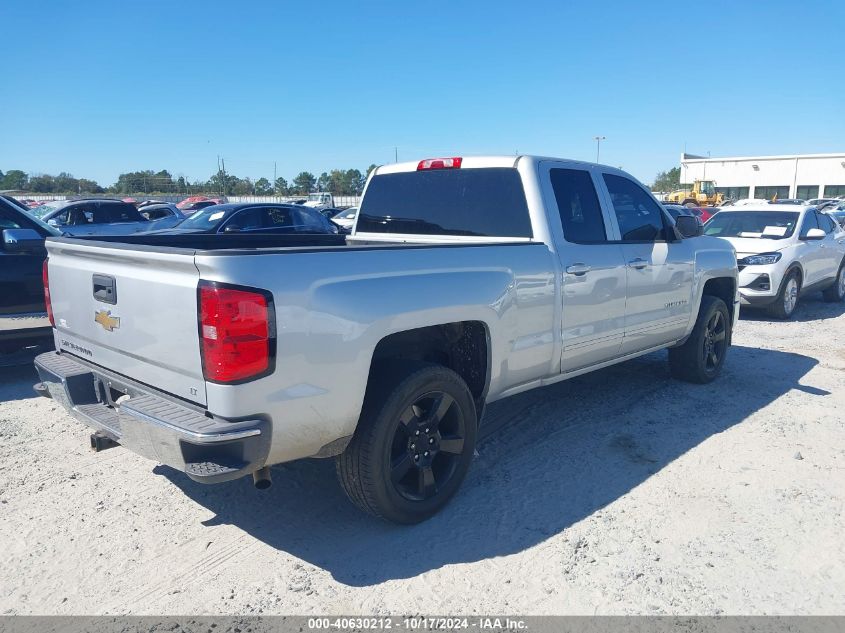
266 217
383 353
346 218
162 216
147 203
188 202
821 202
837 212
23 316
320 200
784 252
96 216
744 202
677 210
192 207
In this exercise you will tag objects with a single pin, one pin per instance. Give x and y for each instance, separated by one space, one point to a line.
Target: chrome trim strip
23 321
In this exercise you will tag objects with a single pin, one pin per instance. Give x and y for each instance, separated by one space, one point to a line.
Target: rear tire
414 442
787 300
701 357
836 292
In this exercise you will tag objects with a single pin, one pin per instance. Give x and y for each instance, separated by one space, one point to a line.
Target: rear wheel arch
462 346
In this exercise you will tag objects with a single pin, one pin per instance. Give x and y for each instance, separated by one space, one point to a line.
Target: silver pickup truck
464 281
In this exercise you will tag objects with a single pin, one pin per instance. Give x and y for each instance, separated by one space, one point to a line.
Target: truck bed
216 241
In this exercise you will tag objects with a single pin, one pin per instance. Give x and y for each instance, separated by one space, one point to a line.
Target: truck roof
471 162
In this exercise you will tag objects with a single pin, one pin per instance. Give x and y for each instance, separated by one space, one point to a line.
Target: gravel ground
619 492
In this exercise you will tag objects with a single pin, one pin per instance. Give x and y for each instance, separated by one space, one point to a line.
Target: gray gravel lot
622 491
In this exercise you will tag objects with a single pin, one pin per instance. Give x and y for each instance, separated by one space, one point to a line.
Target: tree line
667 180
337 181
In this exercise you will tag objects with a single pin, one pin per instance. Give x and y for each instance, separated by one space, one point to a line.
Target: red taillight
45 277
237 333
440 163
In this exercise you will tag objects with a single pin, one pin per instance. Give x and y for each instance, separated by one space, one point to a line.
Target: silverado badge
104 318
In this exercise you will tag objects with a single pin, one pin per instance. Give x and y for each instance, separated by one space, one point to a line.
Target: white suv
783 251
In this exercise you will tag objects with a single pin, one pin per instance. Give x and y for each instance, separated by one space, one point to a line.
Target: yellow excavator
702 194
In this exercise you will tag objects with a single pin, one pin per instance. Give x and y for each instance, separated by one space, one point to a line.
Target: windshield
774 225
206 219
42 210
346 214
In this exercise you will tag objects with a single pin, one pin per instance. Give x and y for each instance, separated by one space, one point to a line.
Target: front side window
108 212
247 220
640 217
310 221
77 215
578 205
809 222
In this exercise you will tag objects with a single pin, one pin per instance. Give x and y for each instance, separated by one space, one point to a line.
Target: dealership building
804 176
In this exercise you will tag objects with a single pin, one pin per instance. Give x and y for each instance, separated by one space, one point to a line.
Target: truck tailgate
130 309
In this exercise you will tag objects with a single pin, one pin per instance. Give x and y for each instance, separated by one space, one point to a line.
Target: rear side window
578 205
487 202
640 217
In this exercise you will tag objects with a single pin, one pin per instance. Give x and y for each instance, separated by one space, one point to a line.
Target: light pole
599 139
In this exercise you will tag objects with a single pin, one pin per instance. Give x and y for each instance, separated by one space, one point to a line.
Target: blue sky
99 88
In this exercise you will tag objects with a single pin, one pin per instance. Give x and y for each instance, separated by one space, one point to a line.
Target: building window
733 193
807 192
770 192
834 191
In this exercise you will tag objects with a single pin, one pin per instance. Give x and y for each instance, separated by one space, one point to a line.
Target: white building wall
767 171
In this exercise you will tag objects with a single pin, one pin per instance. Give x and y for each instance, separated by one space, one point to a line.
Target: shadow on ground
549 458
17 374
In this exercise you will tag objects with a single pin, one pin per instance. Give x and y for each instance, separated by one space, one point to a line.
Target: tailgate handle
105 289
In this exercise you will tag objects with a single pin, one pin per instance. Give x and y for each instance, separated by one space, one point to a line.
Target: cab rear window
487 202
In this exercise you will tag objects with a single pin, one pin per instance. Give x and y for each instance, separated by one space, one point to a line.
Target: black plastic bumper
207 449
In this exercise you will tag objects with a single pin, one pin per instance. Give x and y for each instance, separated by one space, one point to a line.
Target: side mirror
21 240
232 228
815 234
54 222
688 226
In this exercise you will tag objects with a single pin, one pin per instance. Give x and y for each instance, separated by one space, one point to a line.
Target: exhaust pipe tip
261 478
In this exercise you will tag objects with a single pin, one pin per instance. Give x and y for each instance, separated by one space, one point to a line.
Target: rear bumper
207 449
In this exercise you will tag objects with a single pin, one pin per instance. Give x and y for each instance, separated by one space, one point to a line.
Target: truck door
593 270
659 267
20 273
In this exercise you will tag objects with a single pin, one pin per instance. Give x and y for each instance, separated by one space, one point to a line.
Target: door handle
578 269
638 263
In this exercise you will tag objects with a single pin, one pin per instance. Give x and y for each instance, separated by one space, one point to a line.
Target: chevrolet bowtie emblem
104 318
